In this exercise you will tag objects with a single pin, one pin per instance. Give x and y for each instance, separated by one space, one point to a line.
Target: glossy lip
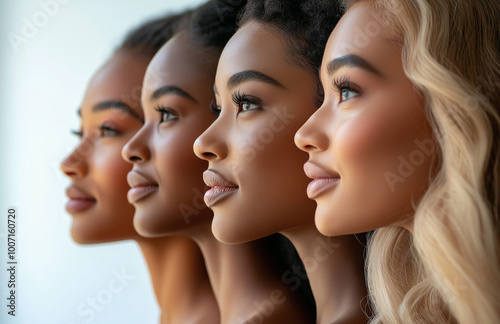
220 188
323 180
79 200
141 186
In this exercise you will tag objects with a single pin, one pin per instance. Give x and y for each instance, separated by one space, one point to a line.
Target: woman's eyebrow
170 89
350 60
251 75
115 104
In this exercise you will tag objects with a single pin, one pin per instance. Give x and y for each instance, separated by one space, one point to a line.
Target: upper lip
75 193
314 171
213 179
137 179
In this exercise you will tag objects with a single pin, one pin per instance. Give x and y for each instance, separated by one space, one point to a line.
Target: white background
42 82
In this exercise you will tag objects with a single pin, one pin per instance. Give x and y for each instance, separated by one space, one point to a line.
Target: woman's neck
247 285
335 268
180 280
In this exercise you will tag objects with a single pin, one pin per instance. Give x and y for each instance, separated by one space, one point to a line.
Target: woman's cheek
112 169
178 155
355 140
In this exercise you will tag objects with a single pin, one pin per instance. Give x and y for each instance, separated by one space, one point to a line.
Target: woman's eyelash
341 82
77 133
345 88
106 131
320 95
166 114
241 99
214 108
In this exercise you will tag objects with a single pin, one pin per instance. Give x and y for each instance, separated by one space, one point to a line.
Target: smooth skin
251 145
110 115
252 139
243 276
371 134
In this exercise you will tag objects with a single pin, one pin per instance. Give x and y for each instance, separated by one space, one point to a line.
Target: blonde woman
406 142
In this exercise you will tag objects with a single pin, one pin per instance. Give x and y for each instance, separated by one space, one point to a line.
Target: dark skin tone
177 93
274 98
110 116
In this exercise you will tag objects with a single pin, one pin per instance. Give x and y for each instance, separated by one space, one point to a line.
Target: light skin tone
371 149
242 276
110 115
256 170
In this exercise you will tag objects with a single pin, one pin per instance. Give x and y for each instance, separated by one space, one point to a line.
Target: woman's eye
166 114
106 131
347 93
344 87
77 133
214 108
246 103
245 106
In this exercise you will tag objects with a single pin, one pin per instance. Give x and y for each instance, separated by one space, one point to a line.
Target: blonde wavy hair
448 269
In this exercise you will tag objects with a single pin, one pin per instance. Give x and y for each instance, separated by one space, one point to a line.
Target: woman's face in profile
166 180
371 148
110 115
255 171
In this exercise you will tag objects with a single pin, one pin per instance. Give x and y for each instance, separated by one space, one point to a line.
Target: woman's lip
314 171
141 186
319 186
215 194
220 188
75 193
138 179
139 192
74 206
323 180
78 200
213 179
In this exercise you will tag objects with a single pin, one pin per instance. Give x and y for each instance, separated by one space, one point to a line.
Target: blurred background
49 50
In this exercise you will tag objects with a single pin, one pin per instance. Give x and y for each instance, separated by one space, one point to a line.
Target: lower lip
79 205
318 186
216 194
138 193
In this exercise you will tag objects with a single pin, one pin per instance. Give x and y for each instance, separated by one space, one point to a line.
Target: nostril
209 155
309 147
69 173
134 159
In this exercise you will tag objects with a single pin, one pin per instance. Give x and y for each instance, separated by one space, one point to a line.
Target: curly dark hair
210 27
215 22
305 25
149 37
